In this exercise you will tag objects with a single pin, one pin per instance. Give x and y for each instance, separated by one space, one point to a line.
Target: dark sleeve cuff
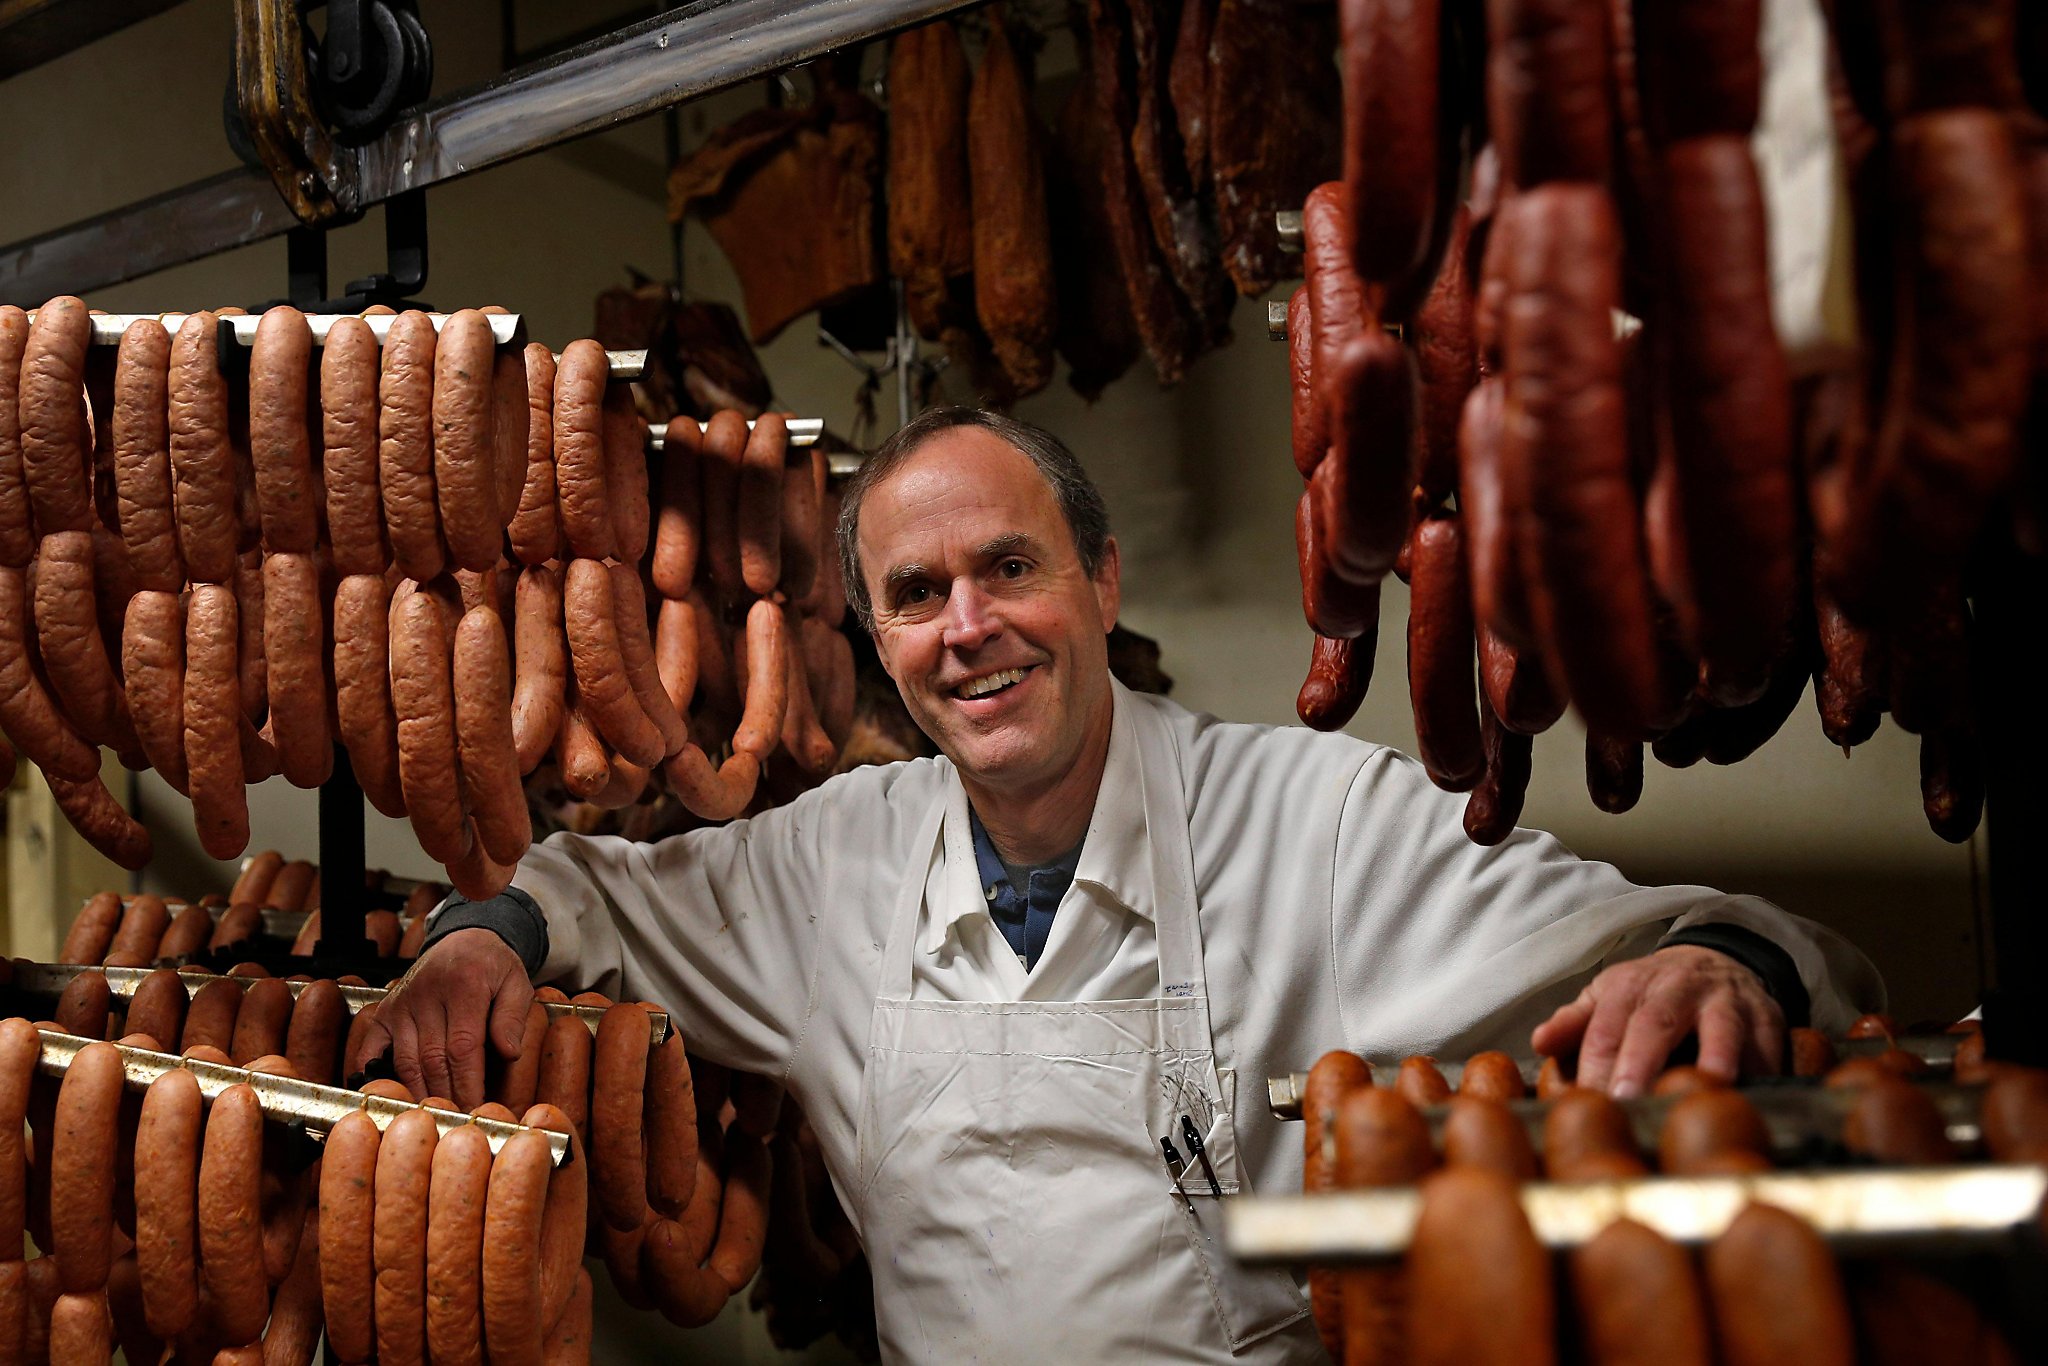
512 915
1772 965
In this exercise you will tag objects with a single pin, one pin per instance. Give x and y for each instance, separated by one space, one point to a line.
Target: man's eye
1013 569
913 595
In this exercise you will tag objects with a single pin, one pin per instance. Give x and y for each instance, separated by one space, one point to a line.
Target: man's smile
990 684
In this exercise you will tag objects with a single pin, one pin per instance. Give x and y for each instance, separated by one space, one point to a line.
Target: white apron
1015 1199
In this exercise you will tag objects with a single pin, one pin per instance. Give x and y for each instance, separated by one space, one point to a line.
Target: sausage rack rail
50 979
1985 1206
693 50
306 1105
507 329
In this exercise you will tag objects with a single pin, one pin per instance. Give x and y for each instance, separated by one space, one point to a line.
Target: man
1012 1112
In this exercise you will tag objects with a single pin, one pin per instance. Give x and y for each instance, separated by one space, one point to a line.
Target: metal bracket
316 176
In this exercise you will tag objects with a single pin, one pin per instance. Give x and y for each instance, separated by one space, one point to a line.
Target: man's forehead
964 466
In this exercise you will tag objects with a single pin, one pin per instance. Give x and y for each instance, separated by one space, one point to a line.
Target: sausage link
675 651
678 527
399 1237
1730 417
349 416
158 1009
106 826
142 929
1440 653
1361 489
230 1215
581 495
213 711
511 427
153 672
348 1169
422 697
1333 605
166 1201
593 635
1565 455
803 735
1391 68
566 1218
584 762
236 924
723 455
483 726
457 1198
1381 1141
296 1321
203 475
1494 1075
74 653
17 528
85 1005
760 504
1496 803
92 933
671 1129
1547 86
1480 1131
1586 1137
1952 781
263 1021
536 529
618 1153
55 458
1334 1076
82 1167
516 1085
294 646
1713 1132
1308 422
636 657
1638 1300
771 682
210 1019
542 651
1339 672
1775 1293
624 435
29 715
405 447
362 688
141 440
1478 1281
829 664
516 1205
1446 362
743 1214
280 441
568 1340
465 456
1422 1082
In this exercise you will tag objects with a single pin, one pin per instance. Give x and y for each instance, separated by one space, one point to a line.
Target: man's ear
1109 584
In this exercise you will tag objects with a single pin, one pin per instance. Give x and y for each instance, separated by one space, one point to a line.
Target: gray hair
1080 501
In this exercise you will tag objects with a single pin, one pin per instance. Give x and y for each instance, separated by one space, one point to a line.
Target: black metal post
2011 611
343 946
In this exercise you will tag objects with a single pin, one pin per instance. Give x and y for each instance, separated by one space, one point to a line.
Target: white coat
1339 903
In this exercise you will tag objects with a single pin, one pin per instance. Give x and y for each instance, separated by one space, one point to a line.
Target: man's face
984 615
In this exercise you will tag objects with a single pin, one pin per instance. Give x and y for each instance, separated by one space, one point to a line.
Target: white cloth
1013 1155
1341 906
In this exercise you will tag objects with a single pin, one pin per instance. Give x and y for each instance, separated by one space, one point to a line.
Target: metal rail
287 1100
50 979
1898 1207
690 51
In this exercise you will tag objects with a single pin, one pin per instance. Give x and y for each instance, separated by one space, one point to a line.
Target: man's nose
970 620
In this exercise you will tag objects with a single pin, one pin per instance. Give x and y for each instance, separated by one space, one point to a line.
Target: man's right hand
466 988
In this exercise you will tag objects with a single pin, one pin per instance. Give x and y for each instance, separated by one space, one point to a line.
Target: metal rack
689 51
1985 1206
306 1105
50 979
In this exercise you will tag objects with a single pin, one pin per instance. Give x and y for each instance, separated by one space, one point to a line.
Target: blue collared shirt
1025 918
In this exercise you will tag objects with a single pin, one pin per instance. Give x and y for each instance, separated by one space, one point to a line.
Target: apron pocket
1252 1302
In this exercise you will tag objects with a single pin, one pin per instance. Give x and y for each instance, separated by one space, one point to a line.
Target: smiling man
1028 992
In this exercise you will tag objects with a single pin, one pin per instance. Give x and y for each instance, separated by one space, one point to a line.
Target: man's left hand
1629 1018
